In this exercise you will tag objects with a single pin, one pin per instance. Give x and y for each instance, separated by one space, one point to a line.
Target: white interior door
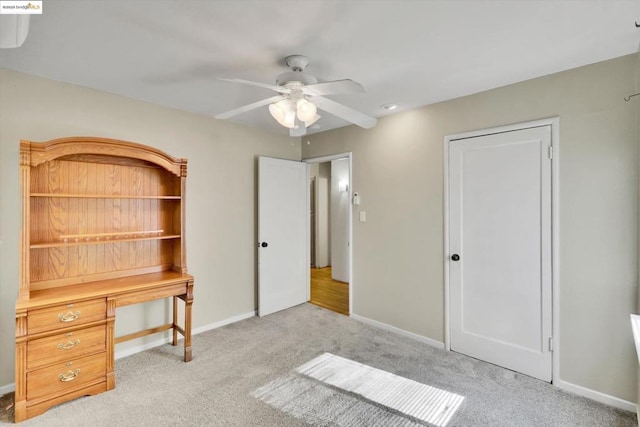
500 249
283 266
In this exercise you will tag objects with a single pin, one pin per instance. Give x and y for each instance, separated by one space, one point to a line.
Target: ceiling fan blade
344 112
333 88
279 89
249 107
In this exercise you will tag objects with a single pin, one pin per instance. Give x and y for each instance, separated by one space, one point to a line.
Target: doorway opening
327 292
330 284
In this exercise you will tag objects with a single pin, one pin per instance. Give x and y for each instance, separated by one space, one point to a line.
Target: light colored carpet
399 399
155 388
317 404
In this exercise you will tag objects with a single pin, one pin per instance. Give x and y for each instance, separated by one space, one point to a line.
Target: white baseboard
398 331
7 388
224 322
573 388
138 348
596 395
196 331
119 354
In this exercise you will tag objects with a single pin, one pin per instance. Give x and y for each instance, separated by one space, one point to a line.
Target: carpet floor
217 388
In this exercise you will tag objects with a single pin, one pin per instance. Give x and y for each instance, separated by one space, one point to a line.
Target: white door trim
554 122
328 158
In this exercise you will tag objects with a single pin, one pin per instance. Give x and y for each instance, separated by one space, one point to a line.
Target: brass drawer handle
69 376
69 317
68 345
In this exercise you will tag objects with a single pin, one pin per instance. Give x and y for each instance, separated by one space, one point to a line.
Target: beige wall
221 230
398 171
398 252
637 106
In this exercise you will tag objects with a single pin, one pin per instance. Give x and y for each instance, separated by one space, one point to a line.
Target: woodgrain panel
113 179
77 372
57 219
38 407
20 396
89 278
152 294
146 217
65 315
57 262
65 346
156 215
95 255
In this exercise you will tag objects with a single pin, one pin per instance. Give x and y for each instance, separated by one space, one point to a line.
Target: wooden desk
103 226
65 346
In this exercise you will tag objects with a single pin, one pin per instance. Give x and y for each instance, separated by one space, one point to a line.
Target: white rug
332 389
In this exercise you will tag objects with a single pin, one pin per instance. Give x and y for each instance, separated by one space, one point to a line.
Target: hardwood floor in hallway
328 293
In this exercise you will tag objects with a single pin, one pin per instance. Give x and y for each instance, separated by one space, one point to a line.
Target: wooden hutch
103 226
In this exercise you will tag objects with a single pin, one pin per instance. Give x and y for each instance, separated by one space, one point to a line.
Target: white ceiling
408 52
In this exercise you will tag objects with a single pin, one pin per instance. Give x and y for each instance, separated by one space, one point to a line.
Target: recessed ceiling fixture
300 97
389 107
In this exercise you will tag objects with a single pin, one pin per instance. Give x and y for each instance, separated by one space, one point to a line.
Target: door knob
455 257
264 244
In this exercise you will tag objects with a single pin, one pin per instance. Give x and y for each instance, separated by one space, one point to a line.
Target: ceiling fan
300 97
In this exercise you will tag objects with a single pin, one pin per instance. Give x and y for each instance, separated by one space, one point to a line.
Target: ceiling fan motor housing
297 63
295 76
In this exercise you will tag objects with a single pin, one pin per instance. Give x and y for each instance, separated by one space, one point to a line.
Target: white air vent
13 30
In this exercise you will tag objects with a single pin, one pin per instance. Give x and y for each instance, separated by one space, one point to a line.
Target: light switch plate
363 216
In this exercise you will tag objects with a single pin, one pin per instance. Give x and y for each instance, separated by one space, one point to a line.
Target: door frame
554 122
323 159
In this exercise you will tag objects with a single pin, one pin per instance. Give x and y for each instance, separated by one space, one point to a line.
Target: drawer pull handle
68 345
69 317
69 376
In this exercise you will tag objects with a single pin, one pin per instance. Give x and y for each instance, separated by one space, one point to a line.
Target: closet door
500 249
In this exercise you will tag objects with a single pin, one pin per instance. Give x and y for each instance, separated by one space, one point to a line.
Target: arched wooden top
35 153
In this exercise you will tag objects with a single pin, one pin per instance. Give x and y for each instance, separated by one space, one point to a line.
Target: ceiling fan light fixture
306 110
314 119
284 113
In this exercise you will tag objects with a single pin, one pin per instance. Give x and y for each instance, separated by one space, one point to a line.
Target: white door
283 266
500 249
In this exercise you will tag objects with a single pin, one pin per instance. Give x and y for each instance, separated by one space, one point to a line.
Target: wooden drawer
65 346
62 316
65 377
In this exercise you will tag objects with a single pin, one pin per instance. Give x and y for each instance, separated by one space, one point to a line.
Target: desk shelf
80 241
104 196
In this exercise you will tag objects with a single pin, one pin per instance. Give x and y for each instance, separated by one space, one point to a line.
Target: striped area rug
333 390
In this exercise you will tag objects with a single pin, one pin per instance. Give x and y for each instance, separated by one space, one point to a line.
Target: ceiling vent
13 30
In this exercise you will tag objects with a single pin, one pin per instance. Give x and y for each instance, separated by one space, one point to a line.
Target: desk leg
20 397
188 301
111 320
175 321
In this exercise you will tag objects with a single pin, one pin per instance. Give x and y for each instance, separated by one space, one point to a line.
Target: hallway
328 293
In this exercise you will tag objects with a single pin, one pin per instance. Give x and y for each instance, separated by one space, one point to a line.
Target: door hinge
551 152
550 344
